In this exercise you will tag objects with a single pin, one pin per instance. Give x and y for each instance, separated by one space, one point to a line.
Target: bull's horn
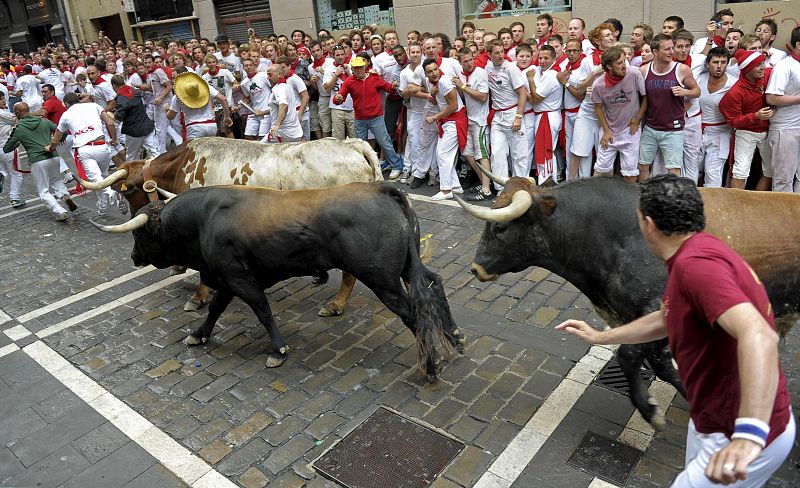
500 180
166 194
128 226
109 180
520 203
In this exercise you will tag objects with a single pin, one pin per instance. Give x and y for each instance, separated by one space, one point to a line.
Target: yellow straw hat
192 90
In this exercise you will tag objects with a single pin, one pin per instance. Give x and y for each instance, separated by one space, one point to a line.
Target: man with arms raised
714 83
473 84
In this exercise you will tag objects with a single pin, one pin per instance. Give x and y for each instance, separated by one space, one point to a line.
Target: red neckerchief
359 50
347 61
719 41
541 42
439 61
596 56
612 80
98 81
281 80
521 41
795 56
388 51
300 45
317 63
637 54
688 61
467 73
294 65
555 67
214 73
576 64
291 72
126 91
561 59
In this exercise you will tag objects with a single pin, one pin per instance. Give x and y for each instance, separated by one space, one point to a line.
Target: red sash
16 163
460 118
543 148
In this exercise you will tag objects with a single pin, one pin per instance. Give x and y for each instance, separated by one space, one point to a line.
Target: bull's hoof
459 341
432 371
194 341
658 421
193 305
327 311
176 270
275 359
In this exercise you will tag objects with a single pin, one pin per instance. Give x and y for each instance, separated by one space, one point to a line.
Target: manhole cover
612 378
609 460
388 451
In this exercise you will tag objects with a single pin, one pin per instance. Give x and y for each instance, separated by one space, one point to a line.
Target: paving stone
246 430
485 407
191 384
415 408
351 380
528 363
116 469
253 478
666 453
286 403
654 472
501 306
207 433
492 367
320 403
59 466
44 441
608 405
156 476
319 380
238 462
470 389
396 394
350 358
9 463
216 387
458 369
469 466
324 425
225 366
100 442
558 365
279 432
506 385
520 408
433 393
408 358
542 384
319 358
445 413
385 376
383 354
496 436
288 480
57 406
288 453
254 385
467 428
355 402
215 451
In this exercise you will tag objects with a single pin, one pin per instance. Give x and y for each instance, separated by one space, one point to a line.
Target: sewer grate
604 458
612 377
388 451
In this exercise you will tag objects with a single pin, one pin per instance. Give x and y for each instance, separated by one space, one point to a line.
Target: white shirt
445 86
504 80
709 102
478 80
120 66
83 121
203 114
7 124
31 90
102 93
775 55
785 80
54 77
231 62
329 74
587 46
299 87
320 72
385 65
264 64
258 90
548 86
223 82
576 77
528 104
158 80
587 106
409 76
283 94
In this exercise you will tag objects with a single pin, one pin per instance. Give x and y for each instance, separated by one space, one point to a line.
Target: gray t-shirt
621 101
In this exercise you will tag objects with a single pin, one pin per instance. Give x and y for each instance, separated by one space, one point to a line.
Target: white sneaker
433 179
442 196
395 174
62 217
102 207
458 190
68 178
405 176
122 204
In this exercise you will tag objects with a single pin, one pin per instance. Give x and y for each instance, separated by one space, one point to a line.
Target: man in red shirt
721 329
365 89
745 109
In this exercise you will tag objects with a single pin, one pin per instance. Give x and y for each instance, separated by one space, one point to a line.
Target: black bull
243 240
587 232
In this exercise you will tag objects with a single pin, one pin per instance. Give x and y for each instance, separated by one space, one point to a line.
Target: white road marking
84 294
17 332
26 201
188 467
638 433
4 317
598 483
8 349
22 210
423 198
519 452
112 304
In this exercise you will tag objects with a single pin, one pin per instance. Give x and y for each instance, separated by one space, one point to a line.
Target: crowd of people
555 107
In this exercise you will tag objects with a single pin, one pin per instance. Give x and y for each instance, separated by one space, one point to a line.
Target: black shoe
479 197
70 204
417 182
2 178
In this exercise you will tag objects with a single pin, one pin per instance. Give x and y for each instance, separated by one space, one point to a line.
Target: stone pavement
96 388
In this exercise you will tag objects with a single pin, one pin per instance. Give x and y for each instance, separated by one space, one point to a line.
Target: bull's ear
547 205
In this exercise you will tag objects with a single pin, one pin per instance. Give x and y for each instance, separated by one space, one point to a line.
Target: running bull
587 232
243 240
212 161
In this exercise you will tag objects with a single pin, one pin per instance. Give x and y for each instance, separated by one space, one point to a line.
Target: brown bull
214 161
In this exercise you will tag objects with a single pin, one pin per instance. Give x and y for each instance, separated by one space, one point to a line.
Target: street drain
612 378
388 451
604 458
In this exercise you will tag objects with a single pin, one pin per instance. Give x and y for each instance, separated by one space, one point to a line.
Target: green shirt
34 133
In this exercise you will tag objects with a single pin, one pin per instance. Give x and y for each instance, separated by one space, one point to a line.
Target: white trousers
585 162
555 127
700 448
416 119
429 138
162 123
133 146
14 177
446 152
505 142
201 130
692 144
95 161
64 151
715 148
49 184
529 121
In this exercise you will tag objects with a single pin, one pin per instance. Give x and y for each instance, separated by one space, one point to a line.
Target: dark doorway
111 26
40 35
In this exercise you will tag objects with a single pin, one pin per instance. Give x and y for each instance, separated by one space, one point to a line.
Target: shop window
149 10
349 14
487 9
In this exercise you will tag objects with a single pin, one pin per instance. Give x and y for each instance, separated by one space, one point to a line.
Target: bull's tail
370 156
430 311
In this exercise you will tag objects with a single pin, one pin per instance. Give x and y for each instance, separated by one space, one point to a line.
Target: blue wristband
751 429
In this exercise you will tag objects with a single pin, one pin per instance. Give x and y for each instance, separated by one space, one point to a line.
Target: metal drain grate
604 458
388 451
612 378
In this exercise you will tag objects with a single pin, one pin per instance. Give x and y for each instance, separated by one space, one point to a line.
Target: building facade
28 24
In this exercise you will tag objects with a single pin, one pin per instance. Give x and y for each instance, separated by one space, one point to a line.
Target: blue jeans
378 128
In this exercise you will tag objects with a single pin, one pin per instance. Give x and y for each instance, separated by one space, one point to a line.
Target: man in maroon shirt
721 329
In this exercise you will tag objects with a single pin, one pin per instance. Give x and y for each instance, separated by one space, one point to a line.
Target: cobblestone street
97 388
